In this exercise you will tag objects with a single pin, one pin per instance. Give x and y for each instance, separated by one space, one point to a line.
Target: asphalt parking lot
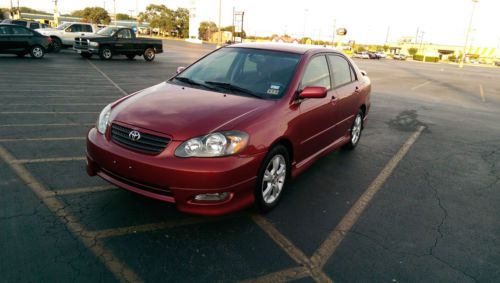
417 201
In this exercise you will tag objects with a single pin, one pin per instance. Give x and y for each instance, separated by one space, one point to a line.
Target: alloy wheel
274 179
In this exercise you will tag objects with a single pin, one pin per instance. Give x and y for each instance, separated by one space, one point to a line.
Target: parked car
381 54
373 55
232 128
362 55
399 56
112 41
25 23
64 35
15 39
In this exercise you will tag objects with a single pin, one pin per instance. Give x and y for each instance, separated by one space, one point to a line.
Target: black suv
19 40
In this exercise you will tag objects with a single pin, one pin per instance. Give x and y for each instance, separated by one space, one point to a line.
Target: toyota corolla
230 130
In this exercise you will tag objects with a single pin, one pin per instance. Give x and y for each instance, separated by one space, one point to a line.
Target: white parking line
43 160
85 190
43 139
47 125
108 78
481 92
421 85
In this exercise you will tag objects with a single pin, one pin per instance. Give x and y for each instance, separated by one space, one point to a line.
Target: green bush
419 57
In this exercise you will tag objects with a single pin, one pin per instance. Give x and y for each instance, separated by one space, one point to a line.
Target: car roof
284 47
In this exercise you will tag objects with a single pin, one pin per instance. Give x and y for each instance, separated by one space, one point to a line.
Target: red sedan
232 128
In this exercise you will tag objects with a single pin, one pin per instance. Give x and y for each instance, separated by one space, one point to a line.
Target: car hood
184 112
42 30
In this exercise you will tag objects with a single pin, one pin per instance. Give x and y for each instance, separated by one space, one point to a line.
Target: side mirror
180 69
364 73
313 92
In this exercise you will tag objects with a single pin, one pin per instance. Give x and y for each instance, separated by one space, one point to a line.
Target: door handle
356 90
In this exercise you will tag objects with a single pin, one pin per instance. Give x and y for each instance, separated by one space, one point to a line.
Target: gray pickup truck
112 41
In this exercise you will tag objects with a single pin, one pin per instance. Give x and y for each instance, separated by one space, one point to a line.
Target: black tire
86 55
105 53
149 54
37 51
353 140
56 45
262 186
130 56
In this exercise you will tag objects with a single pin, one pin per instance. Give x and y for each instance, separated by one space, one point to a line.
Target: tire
106 53
86 55
355 131
37 51
130 56
56 45
271 181
149 54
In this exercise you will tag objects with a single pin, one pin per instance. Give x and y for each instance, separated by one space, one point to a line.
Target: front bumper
90 50
173 179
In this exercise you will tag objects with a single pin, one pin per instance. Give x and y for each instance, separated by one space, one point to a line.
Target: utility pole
462 60
56 13
114 11
305 22
387 35
219 44
334 31
416 36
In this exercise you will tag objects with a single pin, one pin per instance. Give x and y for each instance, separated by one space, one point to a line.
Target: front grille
81 43
146 143
141 186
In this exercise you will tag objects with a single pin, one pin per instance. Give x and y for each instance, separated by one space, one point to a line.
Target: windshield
243 71
107 31
63 26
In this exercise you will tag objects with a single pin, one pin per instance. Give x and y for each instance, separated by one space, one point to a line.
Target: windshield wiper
193 82
229 86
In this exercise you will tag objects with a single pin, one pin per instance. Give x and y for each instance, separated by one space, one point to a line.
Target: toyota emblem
134 135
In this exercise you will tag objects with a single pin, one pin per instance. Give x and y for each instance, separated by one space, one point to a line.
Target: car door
317 115
5 43
124 42
74 30
346 87
20 38
87 30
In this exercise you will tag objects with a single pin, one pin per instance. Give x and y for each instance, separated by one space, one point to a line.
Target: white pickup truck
64 35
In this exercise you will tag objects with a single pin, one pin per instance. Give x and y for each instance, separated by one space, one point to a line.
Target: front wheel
56 45
105 53
355 131
149 54
37 52
272 178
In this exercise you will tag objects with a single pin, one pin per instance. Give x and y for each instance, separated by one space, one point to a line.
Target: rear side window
20 23
341 71
21 31
86 28
317 73
124 33
74 28
4 30
34 25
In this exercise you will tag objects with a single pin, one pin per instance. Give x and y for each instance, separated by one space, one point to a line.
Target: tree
94 15
123 17
159 17
32 11
412 51
206 29
236 34
181 22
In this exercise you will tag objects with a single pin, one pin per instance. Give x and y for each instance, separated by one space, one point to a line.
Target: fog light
211 197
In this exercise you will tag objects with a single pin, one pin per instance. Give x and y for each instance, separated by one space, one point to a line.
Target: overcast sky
442 21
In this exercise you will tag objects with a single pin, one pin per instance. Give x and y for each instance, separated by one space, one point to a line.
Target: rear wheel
130 56
149 54
86 55
37 52
56 45
272 178
105 53
356 129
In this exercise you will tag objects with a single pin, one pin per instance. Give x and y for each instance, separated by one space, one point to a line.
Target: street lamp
462 60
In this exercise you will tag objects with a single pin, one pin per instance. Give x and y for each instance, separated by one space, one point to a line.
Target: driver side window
124 33
317 73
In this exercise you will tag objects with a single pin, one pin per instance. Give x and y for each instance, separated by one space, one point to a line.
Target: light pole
114 12
219 44
462 60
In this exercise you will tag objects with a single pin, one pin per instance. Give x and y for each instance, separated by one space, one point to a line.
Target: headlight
213 145
102 123
94 44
